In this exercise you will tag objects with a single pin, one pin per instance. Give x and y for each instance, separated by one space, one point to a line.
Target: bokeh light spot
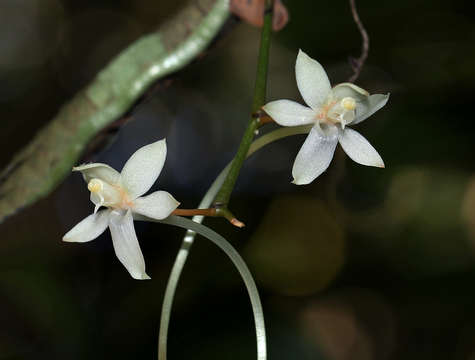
298 248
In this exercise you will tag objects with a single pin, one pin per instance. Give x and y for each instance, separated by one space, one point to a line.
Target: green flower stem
277 135
190 234
241 267
222 198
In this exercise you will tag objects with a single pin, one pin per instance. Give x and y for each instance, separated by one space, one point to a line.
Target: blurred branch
357 64
40 166
252 11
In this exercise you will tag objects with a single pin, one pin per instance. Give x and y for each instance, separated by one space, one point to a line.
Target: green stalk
190 234
240 266
222 198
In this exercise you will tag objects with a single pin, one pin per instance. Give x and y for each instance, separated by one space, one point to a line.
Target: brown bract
252 12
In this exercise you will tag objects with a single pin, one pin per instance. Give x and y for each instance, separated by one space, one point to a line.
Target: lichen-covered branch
37 169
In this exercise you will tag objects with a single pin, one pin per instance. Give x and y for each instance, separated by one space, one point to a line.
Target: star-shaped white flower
331 110
121 194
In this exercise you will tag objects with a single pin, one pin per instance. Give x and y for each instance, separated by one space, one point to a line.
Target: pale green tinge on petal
369 107
98 171
126 245
314 156
359 149
157 205
289 113
312 80
143 167
343 90
89 228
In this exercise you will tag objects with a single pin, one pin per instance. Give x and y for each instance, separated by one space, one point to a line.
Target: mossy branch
45 162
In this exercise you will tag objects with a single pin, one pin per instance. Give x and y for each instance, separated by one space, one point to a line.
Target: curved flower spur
121 193
331 110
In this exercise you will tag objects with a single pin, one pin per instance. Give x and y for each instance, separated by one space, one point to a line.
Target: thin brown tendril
357 64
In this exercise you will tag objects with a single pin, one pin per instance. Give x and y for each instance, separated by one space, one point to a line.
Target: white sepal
157 205
289 113
369 107
89 228
143 167
343 90
315 155
98 171
312 81
359 149
126 245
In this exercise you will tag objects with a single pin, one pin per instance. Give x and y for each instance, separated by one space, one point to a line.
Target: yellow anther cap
95 185
348 103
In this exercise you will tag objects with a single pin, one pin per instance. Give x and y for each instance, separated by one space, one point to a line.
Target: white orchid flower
121 193
331 110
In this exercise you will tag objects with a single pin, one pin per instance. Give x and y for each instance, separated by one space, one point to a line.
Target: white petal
143 167
349 90
312 80
99 171
289 113
126 245
359 149
89 228
157 205
369 107
315 155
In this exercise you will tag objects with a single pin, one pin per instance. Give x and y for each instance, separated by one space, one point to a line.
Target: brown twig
213 212
262 118
265 119
357 64
193 212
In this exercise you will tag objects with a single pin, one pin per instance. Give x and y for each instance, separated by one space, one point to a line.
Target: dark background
363 263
